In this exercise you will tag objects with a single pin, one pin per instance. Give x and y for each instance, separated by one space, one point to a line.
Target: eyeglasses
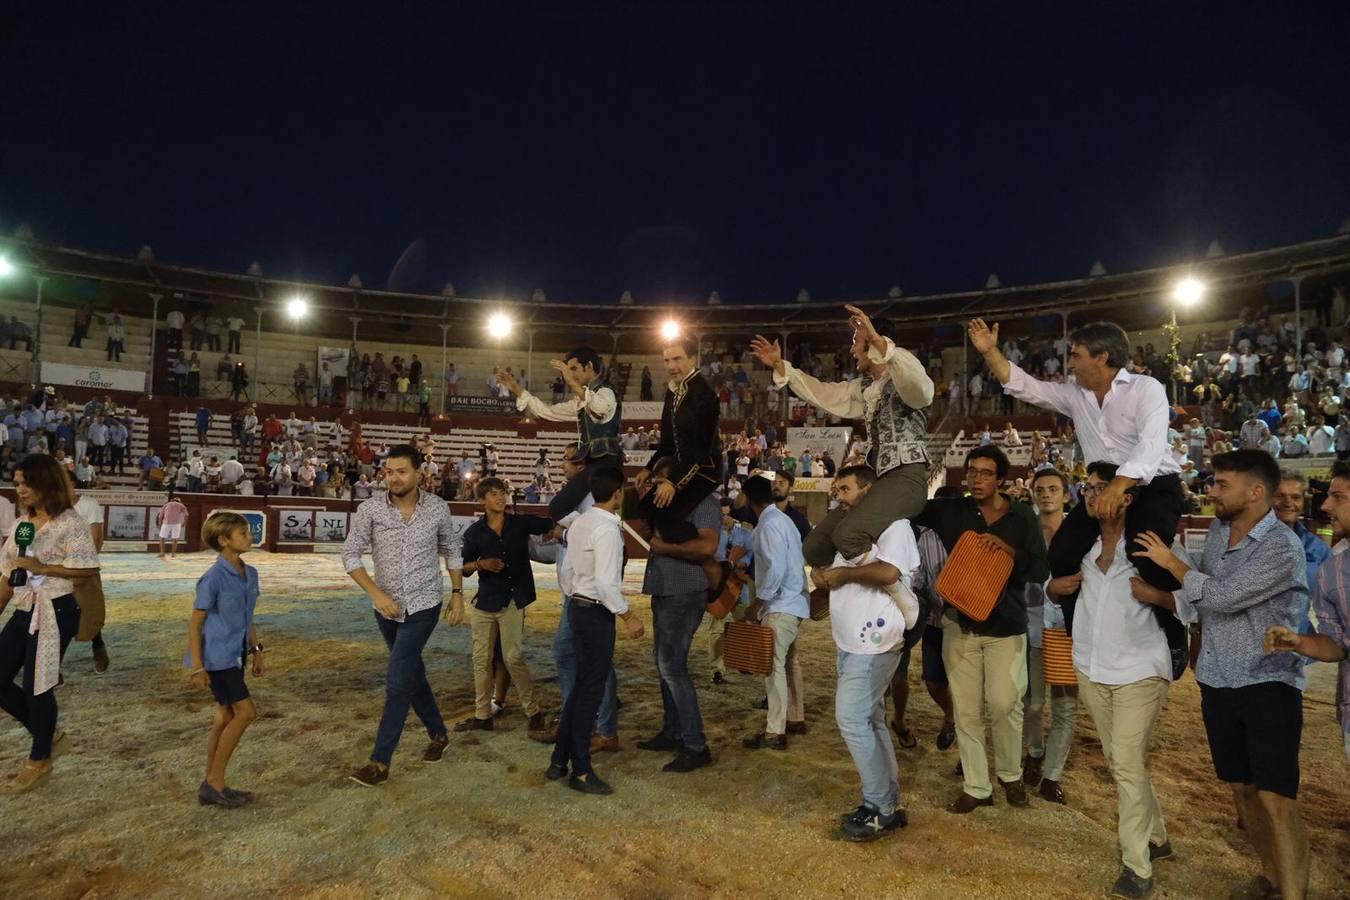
1092 490
981 473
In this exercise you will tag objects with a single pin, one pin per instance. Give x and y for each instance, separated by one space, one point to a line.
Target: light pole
154 322
1185 293
37 329
445 339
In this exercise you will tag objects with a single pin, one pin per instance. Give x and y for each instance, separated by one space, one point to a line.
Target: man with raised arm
893 397
595 409
1119 417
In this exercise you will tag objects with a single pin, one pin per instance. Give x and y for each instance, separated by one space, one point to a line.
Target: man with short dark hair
1118 417
496 548
405 531
782 499
1252 576
970 649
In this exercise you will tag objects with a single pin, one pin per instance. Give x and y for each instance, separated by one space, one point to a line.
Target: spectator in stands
300 379
1254 434
173 321
1321 438
224 366
197 330
19 331
81 325
119 437
194 376
117 336
98 440
645 393
203 425
235 325
452 380
402 386
196 473
214 327
305 479
239 381
149 463
415 370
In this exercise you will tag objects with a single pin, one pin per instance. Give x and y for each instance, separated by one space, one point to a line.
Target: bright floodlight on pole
670 330
6 268
1188 291
297 308
499 325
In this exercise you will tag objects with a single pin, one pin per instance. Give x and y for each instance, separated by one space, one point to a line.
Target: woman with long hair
46 616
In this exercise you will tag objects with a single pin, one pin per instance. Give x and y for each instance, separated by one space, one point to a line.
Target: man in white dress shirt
595 409
592 580
1121 418
1124 669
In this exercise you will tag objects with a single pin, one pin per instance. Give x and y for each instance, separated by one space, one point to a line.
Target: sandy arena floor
119 818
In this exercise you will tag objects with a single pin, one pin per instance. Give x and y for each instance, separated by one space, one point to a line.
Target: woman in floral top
46 616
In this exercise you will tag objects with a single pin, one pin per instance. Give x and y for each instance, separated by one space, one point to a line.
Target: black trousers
593 642
1157 508
672 523
18 651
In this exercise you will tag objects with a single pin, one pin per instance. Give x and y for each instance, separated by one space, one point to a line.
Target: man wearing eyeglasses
986 661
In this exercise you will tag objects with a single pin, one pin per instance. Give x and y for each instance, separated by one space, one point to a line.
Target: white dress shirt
599 405
593 566
1128 428
1116 639
848 400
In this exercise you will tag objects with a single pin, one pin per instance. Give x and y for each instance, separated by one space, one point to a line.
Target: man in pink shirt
172 522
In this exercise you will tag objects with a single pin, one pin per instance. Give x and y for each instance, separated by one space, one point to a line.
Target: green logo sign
24 534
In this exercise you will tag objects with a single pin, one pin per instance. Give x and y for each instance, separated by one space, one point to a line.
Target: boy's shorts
227 685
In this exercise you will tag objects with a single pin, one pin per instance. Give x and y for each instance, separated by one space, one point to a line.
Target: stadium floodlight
499 325
1188 291
670 330
297 307
6 268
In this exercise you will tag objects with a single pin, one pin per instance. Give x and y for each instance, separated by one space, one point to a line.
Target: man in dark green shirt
987 661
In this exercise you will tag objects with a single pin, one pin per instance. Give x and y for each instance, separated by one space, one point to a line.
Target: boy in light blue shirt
221 636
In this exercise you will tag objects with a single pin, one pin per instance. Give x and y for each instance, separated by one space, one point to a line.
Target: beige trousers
986 671
784 686
509 623
1125 715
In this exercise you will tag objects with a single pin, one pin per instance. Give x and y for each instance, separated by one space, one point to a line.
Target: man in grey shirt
1252 575
679 590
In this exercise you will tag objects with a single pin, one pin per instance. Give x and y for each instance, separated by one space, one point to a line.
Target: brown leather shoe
536 722
101 660
547 735
370 775
436 749
967 804
604 744
796 727
473 723
1016 792
1052 791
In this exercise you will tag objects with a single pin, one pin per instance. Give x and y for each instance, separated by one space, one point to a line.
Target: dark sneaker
1032 771
796 728
763 704
947 736
436 749
1131 885
719 678
1258 888
1016 792
762 740
1159 852
660 744
1053 791
689 760
860 813
473 723
370 775
555 771
101 660
589 784
873 825
536 722
209 796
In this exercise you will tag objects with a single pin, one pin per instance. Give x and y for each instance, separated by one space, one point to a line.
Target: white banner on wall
642 411
331 527
295 525
834 439
336 358
102 378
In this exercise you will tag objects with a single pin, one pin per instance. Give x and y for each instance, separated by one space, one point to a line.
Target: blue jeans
406 682
860 711
675 618
565 658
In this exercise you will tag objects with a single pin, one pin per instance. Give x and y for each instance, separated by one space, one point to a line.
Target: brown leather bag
973 578
748 647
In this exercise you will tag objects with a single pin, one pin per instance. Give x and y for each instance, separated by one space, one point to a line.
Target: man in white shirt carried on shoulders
592 580
1124 669
1118 417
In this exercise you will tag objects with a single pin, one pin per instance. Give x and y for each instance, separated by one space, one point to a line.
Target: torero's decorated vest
898 431
597 439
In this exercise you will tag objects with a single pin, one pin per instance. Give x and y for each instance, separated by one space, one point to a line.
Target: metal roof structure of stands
1133 299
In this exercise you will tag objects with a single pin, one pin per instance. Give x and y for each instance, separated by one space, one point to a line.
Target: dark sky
674 150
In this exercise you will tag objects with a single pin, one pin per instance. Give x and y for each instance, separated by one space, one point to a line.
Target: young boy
220 638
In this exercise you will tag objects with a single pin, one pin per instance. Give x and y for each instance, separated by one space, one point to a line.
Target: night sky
672 151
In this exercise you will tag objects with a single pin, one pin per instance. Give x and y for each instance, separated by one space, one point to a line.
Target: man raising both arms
593 407
1121 418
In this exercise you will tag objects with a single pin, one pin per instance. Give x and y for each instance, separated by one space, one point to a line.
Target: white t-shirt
865 619
7 518
234 323
90 510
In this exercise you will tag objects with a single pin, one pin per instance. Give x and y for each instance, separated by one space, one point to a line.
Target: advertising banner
330 527
256 519
125 523
834 439
103 378
295 526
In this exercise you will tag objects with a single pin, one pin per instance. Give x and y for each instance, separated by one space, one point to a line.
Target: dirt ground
119 818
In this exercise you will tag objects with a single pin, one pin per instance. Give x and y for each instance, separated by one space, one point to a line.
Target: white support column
529 358
37 330
255 394
1298 317
154 324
